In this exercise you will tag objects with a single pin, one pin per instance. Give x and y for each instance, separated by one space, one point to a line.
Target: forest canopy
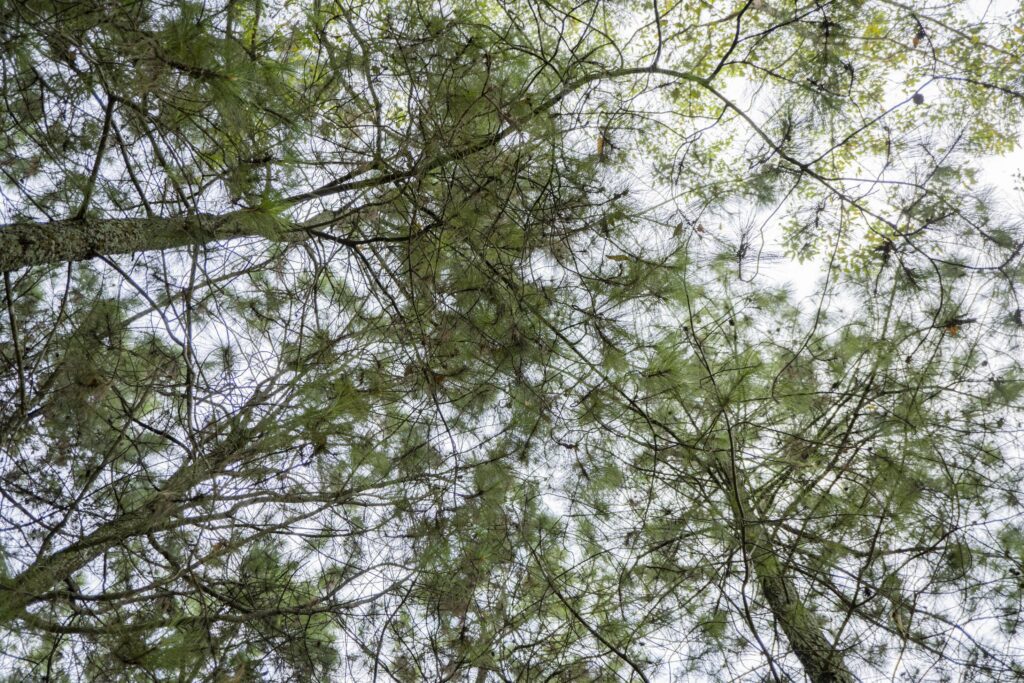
458 341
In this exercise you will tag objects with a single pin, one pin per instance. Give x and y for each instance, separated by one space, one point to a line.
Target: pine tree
434 342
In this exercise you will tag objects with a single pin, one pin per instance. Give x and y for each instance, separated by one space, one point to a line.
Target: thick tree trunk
36 244
821 661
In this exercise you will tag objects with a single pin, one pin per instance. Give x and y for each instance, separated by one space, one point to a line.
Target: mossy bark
34 244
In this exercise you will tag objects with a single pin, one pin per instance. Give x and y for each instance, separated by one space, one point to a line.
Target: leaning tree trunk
24 244
35 244
822 662
156 512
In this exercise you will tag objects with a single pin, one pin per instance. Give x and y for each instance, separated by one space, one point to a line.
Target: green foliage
471 361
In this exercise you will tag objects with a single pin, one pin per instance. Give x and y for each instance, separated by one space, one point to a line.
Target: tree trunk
18 592
35 244
821 661
154 513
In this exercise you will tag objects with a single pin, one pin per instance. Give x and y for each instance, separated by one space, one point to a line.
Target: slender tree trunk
36 244
18 592
153 513
821 661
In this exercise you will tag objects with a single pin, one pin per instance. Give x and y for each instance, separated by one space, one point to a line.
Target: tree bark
821 661
36 244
